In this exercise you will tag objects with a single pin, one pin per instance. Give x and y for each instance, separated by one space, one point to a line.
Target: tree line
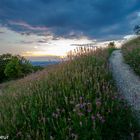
15 66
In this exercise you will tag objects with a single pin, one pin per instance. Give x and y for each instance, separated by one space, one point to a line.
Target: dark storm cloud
1 32
93 18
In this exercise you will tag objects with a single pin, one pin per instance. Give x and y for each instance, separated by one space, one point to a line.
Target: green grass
75 100
131 52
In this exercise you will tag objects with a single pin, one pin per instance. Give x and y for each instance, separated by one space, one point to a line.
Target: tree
4 59
137 29
111 44
13 69
16 66
26 66
111 47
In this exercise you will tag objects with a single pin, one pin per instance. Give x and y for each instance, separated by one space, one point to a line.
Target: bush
37 68
131 53
111 47
13 69
26 67
4 59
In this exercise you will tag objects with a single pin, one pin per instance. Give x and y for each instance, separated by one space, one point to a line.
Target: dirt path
127 81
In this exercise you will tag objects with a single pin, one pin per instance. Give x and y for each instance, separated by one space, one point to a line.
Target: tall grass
131 52
75 100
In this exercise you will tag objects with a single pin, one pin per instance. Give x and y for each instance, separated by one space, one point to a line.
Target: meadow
74 100
131 53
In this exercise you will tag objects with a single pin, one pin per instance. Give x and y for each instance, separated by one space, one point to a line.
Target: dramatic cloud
27 26
103 19
36 46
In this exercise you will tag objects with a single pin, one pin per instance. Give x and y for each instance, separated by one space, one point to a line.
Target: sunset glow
56 47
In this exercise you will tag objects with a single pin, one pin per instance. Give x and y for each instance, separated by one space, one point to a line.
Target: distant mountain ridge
44 63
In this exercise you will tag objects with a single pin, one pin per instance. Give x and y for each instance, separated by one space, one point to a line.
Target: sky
48 28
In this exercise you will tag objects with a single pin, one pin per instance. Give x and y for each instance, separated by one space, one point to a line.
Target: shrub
111 47
13 69
37 68
131 53
4 59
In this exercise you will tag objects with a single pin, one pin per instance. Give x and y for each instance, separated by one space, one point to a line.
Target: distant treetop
137 29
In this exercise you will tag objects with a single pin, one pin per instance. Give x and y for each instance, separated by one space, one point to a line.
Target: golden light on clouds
42 53
37 45
33 45
56 47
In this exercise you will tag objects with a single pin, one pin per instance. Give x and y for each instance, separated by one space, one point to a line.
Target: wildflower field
131 52
74 100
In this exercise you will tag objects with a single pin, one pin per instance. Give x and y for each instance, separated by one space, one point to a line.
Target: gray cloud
1 32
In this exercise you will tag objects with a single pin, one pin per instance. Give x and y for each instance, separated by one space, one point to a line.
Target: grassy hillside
76 100
131 52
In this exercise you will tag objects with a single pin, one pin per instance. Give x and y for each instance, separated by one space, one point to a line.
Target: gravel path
127 82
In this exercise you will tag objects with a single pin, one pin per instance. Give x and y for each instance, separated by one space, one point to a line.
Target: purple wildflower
93 117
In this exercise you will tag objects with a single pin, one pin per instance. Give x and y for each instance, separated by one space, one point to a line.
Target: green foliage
37 68
76 100
4 59
111 44
131 52
111 47
137 29
13 69
26 67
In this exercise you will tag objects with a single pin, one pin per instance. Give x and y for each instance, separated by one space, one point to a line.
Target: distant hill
44 63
